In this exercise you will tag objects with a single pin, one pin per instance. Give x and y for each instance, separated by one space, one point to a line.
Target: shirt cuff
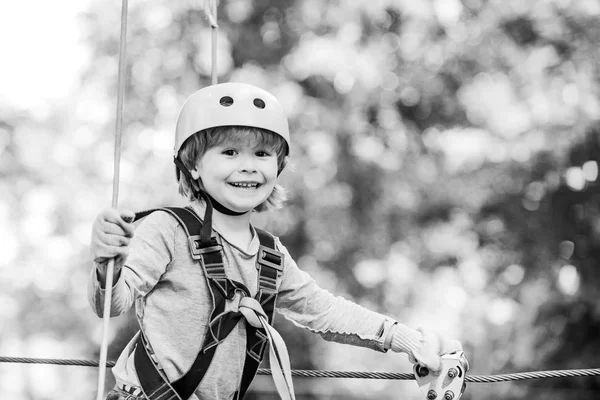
99 282
406 340
387 344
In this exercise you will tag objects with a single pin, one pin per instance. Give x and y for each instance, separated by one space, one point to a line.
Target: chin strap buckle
447 384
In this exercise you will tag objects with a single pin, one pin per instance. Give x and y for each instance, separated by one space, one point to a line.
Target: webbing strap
269 263
278 354
153 384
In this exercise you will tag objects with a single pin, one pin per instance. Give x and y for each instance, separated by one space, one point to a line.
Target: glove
423 347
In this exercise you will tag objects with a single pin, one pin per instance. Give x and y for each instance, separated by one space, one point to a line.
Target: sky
41 53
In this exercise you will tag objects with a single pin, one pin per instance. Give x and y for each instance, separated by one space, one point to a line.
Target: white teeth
244 185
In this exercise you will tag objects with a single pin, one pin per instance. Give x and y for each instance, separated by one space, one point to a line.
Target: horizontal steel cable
344 374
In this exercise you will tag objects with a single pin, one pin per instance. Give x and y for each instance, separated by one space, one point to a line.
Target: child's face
240 175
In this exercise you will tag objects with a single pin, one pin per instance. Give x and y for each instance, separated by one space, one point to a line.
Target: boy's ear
195 173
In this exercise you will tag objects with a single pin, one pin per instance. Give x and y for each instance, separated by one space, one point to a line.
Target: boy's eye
263 153
229 152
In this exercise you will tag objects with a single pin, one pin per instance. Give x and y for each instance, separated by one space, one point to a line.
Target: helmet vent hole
226 101
259 103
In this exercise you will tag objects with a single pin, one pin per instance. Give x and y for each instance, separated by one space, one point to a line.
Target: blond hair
199 143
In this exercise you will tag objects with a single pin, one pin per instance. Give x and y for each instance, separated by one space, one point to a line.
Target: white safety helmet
230 104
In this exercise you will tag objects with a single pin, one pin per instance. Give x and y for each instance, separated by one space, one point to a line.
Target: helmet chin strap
221 208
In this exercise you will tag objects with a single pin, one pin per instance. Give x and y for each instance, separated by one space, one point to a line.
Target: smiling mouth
245 185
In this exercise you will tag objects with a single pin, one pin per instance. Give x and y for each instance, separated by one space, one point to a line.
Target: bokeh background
444 172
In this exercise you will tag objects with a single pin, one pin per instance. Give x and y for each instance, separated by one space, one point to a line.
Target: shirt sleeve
150 253
336 319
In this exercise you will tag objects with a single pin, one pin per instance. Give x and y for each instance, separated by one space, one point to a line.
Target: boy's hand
111 234
422 346
433 345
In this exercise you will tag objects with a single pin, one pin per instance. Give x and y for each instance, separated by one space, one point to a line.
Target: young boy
231 144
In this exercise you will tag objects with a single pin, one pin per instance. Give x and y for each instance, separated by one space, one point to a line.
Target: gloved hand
422 346
111 234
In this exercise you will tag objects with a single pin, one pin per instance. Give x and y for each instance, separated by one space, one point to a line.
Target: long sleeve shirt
173 305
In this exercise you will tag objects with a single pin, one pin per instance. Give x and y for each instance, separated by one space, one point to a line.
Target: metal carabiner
448 383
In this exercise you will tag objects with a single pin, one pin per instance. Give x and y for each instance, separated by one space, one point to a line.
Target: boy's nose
248 164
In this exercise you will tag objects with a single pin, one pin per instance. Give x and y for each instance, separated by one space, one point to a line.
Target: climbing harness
258 313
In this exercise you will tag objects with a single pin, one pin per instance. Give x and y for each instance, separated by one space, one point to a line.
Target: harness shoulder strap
269 263
208 255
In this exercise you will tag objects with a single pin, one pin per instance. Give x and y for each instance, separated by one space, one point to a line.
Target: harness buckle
271 258
236 289
197 251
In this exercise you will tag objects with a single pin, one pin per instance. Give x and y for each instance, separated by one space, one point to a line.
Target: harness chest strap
269 263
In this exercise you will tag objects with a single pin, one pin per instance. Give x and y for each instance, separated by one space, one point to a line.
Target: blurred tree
381 100
445 160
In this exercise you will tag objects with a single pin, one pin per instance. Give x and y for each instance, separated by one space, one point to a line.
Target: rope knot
252 311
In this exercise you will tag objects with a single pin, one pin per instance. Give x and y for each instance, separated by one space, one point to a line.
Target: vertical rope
115 196
214 32
210 9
